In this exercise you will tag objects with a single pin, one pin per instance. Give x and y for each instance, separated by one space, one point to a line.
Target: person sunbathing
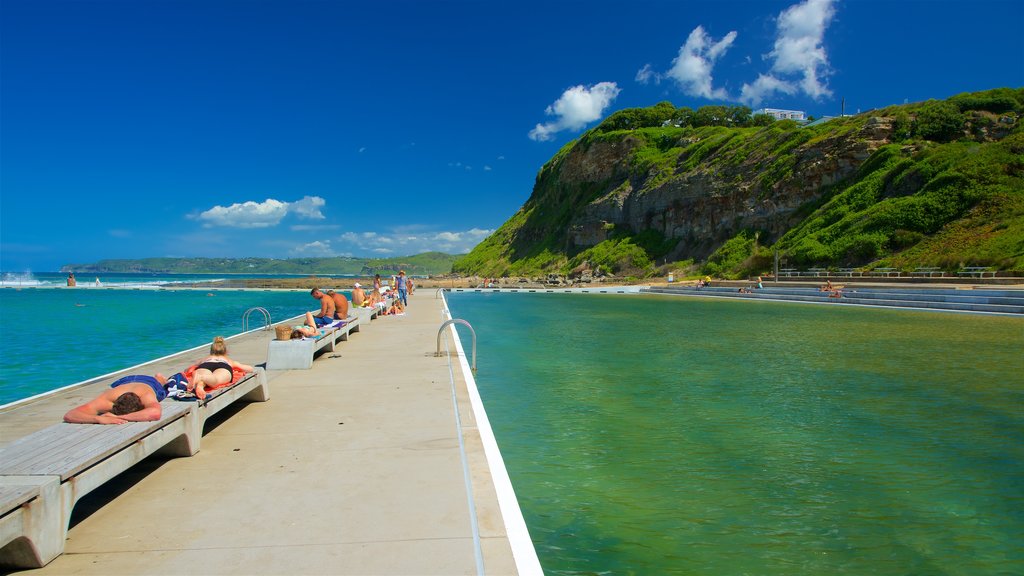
340 304
134 398
307 330
396 308
375 299
216 370
358 295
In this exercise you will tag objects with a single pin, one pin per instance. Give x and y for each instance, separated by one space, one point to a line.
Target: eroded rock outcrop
718 198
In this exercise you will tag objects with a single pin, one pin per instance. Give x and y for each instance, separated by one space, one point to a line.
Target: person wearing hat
358 296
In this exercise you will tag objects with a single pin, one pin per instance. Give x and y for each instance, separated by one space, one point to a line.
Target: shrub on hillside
939 121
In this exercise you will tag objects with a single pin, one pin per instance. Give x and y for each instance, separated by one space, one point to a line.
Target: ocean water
654 435
51 338
29 279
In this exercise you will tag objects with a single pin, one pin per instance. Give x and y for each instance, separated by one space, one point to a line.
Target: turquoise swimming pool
660 435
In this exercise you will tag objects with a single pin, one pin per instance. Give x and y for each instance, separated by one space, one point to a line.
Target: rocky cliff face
723 194
716 190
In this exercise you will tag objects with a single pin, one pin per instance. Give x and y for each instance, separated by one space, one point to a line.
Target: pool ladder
456 321
263 311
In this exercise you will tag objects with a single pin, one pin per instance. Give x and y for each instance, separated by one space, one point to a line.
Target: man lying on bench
133 398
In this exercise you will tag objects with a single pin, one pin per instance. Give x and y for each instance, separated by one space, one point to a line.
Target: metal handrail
456 321
266 318
438 291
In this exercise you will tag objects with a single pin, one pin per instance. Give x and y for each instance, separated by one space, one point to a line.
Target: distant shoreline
345 283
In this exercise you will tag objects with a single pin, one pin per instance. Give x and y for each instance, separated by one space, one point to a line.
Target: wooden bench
886 272
978 271
927 271
298 354
44 474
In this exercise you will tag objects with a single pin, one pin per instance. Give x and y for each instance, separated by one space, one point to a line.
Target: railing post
456 321
267 322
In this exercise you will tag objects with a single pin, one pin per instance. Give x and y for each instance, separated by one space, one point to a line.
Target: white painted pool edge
523 550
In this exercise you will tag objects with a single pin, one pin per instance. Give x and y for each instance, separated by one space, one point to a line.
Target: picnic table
817 271
887 272
789 272
850 272
927 271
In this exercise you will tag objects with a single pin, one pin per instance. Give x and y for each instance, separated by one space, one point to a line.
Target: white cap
357 285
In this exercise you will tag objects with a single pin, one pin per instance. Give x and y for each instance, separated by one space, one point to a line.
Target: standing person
340 304
400 284
358 294
71 279
409 285
377 283
326 314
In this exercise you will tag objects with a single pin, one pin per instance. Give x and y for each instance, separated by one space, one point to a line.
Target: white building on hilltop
798 115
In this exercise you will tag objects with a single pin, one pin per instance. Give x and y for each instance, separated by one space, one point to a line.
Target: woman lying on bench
216 370
307 330
133 398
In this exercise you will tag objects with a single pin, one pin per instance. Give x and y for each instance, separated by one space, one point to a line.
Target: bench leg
260 393
184 441
33 534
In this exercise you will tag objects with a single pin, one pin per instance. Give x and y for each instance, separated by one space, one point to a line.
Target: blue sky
230 128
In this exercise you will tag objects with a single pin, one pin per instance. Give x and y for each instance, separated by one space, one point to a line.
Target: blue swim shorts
158 388
322 321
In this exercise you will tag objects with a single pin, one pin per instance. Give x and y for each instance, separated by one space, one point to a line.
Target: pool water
661 435
54 338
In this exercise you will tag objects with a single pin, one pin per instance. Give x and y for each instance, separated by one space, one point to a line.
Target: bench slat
66 449
14 495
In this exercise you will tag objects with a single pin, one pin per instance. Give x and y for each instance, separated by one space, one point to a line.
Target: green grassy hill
937 183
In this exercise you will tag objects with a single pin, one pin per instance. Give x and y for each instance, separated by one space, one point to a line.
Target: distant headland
426 264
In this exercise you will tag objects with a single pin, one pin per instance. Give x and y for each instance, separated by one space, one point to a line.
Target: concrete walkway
352 467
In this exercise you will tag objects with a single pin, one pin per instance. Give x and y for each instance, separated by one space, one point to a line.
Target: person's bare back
116 405
340 304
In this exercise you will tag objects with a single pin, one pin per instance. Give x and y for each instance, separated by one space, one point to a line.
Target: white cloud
577 107
799 60
313 249
120 233
692 67
245 215
309 207
264 214
647 74
313 227
487 168
413 240
765 85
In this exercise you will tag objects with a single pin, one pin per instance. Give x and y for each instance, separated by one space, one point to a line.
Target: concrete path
352 467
